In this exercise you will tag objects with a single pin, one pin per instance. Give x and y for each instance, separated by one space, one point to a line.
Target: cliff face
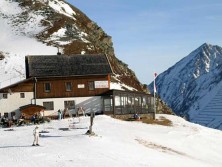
59 24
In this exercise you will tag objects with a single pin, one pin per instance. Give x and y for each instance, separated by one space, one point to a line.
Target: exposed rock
72 33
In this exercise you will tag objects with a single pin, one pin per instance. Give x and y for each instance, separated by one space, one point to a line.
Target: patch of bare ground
161 121
145 119
159 147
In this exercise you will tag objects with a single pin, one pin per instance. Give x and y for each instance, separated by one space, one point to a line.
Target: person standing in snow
59 115
36 136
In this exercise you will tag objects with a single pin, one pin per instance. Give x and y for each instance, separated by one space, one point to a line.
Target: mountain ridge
184 85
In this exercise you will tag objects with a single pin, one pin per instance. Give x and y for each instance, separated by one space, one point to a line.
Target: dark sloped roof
64 65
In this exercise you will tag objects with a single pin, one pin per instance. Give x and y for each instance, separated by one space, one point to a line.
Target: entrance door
108 105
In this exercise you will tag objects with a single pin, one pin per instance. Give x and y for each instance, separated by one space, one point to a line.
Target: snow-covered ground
117 143
17 41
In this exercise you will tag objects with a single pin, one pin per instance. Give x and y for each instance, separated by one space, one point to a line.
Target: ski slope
116 143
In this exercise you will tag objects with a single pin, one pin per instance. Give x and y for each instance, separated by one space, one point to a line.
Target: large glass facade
126 102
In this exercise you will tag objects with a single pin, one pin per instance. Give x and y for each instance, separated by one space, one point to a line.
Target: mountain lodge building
60 82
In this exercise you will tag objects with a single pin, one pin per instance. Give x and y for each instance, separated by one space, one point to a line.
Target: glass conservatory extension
119 102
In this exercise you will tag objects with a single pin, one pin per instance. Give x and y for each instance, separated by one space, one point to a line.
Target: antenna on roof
58 53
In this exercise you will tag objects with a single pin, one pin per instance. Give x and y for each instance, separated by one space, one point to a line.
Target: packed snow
120 86
115 143
62 7
17 41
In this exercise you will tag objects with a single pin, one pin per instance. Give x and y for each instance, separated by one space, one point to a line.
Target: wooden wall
58 88
21 87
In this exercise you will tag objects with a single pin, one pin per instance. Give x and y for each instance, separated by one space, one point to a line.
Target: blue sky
152 35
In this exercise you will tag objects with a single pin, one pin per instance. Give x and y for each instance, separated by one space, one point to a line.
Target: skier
36 136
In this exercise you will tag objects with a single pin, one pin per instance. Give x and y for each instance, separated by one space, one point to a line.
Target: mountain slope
192 83
37 27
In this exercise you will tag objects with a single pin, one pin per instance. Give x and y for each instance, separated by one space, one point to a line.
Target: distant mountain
193 86
44 27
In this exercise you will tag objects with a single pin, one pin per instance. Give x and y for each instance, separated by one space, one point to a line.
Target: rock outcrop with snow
35 27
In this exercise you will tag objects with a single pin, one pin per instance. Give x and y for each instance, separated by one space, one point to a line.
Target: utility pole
154 106
154 92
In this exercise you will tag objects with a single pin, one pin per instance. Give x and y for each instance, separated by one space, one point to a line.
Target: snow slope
20 27
18 40
192 83
117 143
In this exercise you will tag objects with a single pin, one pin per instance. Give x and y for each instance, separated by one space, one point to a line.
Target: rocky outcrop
59 24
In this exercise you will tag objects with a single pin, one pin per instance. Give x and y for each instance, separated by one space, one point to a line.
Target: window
91 85
123 100
117 101
108 104
138 101
47 87
130 101
5 95
48 105
69 104
145 103
68 86
22 95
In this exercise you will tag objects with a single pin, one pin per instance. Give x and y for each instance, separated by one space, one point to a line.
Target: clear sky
152 35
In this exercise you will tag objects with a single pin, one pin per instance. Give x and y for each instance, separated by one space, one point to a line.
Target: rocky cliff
55 23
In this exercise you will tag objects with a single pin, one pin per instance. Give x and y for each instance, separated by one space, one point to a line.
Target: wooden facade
23 86
79 86
60 76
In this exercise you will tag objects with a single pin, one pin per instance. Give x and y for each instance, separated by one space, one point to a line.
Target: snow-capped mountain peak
190 85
